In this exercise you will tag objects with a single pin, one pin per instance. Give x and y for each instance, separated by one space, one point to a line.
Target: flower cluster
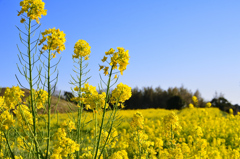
40 97
90 97
137 121
119 60
33 8
208 105
82 49
195 100
191 105
68 124
13 97
63 146
195 103
139 142
26 146
121 93
6 120
171 124
55 40
119 155
24 116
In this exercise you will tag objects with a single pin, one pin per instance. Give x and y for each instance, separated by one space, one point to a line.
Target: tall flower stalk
119 60
53 42
34 11
81 53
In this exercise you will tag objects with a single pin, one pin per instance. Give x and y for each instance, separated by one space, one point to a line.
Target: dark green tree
175 102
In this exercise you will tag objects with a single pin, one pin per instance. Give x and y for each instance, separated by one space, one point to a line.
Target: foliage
158 98
175 102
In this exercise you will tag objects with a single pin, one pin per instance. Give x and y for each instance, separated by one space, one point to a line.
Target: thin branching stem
104 111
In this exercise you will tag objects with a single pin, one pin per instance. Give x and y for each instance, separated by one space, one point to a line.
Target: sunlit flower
106 70
82 49
104 59
121 93
208 105
33 8
191 105
195 100
22 20
119 59
55 40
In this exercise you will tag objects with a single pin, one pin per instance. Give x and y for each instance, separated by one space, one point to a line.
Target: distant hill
62 105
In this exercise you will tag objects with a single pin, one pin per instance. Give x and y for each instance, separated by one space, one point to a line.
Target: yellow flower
115 76
100 67
76 88
22 20
68 124
119 155
106 70
40 97
55 40
230 111
91 98
208 105
119 59
121 93
191 105
54 55
86 58
24 116
33 8
195 100
6 120
81 49
63 146
137 121
12 97
111 51
104 59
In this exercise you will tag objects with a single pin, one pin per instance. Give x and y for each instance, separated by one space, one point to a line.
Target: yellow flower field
159 133
100 128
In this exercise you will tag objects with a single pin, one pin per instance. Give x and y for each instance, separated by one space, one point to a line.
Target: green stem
31 85
104 111
49 103
10 149
95 136
80 109
111 126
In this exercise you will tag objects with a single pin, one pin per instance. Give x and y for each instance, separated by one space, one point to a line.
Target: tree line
172 98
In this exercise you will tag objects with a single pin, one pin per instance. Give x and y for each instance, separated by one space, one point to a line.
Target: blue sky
171 43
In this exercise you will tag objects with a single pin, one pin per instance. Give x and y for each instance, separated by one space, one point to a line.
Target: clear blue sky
171 43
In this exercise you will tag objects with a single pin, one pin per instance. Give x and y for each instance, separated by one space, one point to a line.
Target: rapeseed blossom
90 97
195 100
33 8
208 105
121 93
13 97
137 121
119 60
55 40
63 146
119 155
68 125
81 49
6 120
191 105
24 116
40 97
